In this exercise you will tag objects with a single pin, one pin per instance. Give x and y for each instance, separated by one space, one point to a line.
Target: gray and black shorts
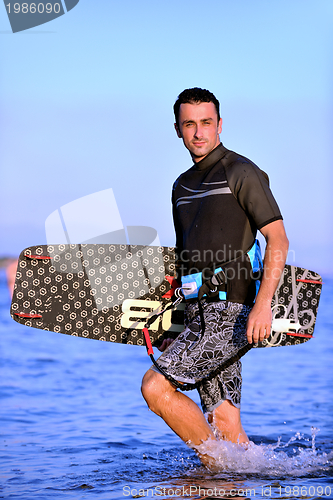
193 357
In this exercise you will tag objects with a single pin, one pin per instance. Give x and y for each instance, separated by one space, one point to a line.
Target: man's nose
198 131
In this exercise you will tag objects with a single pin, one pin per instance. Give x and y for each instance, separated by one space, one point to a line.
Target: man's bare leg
226 418
186 419
177 410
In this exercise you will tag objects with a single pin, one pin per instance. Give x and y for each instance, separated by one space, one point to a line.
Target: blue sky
86 104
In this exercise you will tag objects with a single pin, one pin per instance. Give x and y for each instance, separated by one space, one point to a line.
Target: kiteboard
108 292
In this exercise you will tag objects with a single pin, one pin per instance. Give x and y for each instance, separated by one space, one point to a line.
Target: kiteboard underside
107 292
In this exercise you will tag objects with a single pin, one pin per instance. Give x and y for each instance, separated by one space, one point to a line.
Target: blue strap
256 260
192 282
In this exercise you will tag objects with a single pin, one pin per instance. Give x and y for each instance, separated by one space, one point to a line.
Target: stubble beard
200 152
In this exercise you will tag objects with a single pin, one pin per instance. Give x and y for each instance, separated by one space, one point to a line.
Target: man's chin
199 153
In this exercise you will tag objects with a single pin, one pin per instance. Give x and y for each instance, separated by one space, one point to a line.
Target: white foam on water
299 460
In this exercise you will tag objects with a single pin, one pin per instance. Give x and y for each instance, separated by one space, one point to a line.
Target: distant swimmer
219 204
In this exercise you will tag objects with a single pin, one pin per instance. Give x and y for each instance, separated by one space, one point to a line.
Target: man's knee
154 387
148 385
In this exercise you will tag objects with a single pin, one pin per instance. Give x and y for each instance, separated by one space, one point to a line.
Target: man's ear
177 131
220 126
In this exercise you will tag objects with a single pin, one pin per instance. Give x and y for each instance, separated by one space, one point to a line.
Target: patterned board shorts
193 357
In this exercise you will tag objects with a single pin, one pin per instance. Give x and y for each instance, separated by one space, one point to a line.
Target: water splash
297 457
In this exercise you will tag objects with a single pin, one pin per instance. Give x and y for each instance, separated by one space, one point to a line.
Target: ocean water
74 424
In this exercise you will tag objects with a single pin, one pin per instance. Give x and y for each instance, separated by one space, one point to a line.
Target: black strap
212 284
188 386
214 373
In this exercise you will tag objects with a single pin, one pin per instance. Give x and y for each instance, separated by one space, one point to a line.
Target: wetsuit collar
213 157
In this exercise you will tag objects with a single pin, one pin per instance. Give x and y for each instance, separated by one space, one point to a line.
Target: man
218 205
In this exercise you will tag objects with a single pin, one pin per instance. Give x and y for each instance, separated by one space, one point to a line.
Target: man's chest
199 188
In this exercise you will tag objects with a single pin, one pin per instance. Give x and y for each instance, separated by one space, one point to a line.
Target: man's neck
196 159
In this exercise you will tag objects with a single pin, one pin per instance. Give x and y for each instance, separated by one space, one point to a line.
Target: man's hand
165 344
259 323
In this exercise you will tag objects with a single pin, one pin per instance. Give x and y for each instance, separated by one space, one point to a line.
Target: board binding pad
107 292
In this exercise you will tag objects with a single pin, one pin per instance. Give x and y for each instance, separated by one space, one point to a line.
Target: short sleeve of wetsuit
250 186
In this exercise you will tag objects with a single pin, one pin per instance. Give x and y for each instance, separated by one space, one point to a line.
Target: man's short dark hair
195 96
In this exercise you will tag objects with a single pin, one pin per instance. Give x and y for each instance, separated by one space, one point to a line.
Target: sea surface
74 425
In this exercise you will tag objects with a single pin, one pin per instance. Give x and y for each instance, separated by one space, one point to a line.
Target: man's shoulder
238 166
250 186
235 160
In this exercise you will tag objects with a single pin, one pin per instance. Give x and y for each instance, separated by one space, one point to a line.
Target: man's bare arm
260 318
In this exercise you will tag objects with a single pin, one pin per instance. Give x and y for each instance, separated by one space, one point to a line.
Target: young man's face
199 128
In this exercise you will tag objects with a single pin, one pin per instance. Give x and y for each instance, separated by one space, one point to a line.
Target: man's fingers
249 331
257 333
165 344
259 324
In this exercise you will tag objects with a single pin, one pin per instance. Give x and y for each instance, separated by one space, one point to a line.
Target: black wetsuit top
218 205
